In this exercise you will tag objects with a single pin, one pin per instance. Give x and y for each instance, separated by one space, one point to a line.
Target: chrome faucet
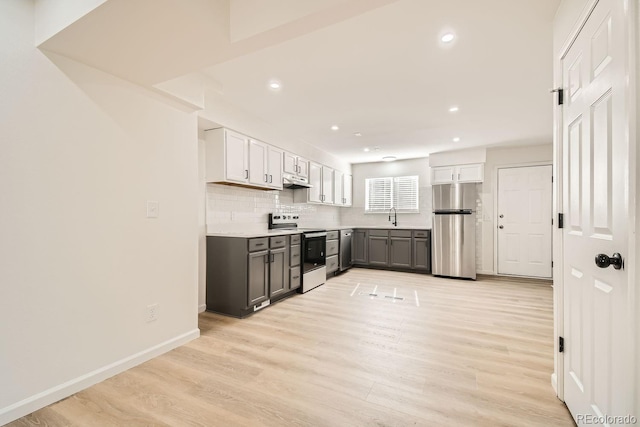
395 217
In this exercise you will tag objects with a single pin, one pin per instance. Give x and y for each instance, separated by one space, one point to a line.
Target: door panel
257 163
236 155
524 221
598 358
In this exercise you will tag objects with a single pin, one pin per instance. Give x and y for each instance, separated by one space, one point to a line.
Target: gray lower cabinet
295 275
359 247
332 264
332 250
278 272
400 252
392 249
244 274
378 250
422 253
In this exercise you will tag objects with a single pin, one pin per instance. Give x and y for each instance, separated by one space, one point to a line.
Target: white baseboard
202 308
554 382
59 392
486 272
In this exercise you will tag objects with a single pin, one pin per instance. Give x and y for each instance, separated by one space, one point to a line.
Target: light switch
153 209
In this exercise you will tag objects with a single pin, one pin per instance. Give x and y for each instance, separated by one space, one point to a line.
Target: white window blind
382 194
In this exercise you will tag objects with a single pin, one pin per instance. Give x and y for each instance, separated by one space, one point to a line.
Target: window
399 192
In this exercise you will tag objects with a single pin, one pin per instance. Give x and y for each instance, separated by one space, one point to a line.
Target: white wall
497 158
52 16
82 151
355 216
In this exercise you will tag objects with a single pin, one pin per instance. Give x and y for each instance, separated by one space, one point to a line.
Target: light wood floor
461 353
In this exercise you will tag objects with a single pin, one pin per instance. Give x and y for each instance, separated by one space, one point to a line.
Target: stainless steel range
314 242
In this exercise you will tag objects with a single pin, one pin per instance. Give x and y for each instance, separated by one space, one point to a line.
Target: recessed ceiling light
456 139
357 134
335 127
447 37
389 158
454 109
275 85
366 149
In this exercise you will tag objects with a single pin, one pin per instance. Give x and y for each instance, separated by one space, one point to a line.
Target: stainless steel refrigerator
454 230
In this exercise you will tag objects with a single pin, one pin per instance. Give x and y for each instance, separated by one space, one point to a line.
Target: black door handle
604 261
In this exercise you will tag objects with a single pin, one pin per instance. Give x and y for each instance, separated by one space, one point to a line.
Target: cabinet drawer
332 263
295 278
259 244
400 233
421 233
379 233
295 255
332 247
278 242
332 235
295 239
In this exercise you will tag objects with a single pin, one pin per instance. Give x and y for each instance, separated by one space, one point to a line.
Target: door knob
501 227
604 261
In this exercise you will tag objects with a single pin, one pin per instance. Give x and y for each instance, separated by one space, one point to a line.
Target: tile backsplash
230 208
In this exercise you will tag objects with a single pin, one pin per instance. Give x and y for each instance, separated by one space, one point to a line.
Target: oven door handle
310 235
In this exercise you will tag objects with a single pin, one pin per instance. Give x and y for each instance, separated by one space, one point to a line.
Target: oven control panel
283 220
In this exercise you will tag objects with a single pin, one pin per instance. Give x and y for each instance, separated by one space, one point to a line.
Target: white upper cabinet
274 167
460 173
258 157
227 156
295 165
338 188
314 194
348 190
327 185
234 158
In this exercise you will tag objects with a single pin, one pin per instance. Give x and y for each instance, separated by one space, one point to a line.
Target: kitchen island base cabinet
245 275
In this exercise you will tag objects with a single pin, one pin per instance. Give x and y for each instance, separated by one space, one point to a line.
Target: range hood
294 182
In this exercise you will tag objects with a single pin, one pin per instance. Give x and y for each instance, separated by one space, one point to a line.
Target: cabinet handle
246 174
273 257
295 277
451 177
270 179
266 178
458 177
259 244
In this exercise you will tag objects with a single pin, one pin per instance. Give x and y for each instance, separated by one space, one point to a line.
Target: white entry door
598 369
524 221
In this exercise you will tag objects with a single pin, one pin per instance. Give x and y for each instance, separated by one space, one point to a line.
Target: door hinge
560 95
560 345
560 220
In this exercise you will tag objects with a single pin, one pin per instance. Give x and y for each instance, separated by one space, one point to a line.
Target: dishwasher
345 249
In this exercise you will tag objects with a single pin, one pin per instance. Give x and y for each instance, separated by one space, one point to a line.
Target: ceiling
377 67
386 74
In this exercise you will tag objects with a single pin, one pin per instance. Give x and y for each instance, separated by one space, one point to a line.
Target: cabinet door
470 173
236 157
258 278
378 250
258 163
359 247
278 272
442 175
315 180
422 253
327 185
303 167
290 163
338 187
347 190
400 252
275 168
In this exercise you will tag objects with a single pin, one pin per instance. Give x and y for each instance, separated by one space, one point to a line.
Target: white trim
554 382
495 202
59 392
202 308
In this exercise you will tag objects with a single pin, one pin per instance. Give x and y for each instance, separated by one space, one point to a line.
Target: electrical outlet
152 312
153 209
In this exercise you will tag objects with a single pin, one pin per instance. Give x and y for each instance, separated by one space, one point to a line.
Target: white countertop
271 233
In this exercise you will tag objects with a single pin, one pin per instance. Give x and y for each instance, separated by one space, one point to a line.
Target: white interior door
524 221
598 362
